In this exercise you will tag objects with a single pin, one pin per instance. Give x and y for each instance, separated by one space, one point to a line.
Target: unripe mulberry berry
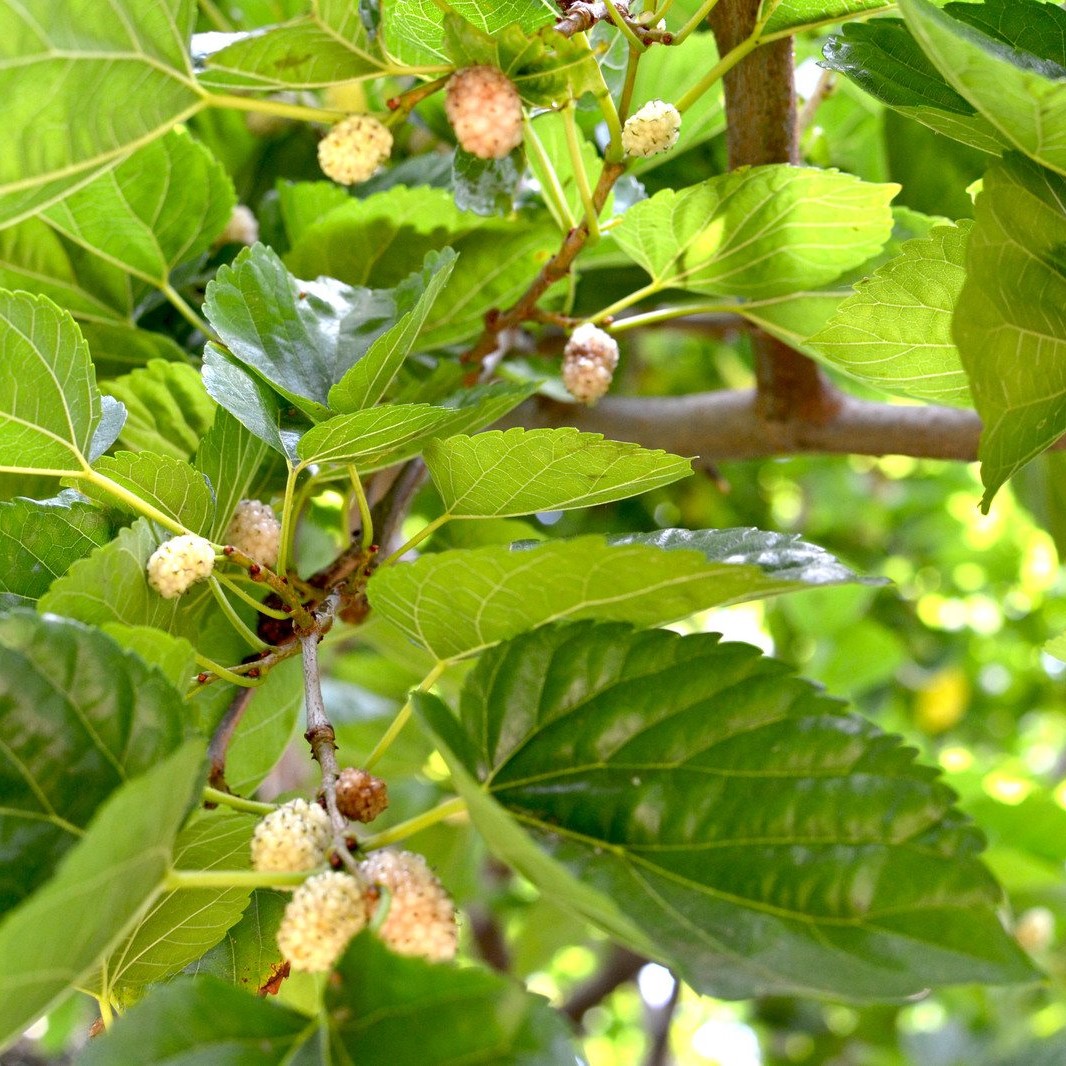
242 228
652 129
421 915
325 912
485 111
1035 929
360 795
589 359
354 149
256 531
179 563
294 837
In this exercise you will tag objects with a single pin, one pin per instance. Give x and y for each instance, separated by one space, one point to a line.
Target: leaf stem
556 201
131 499
408 828
626 98
402 717
421 535
623 25
288 522
176 880
719 70
627 301
274 107
694 23
262 608
180 304
667 314
573 145
215 16
227 675
234 619
366 521
238 803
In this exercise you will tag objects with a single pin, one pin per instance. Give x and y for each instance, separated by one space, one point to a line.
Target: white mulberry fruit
360 795
242 228
485 110
1035 929
296 836
589 361
325 912
179 563
354 148
652 129
421 915
256 531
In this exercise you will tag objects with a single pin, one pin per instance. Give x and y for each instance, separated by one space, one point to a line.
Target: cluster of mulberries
485 111
354 149
179 563
256 531
589 361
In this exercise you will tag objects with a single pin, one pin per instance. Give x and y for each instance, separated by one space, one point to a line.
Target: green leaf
252 402
170 485
119 347
1021 94
795 15
39 539
1011 320
230 457
378 999
414 29
487 186
105 883
74 65
49 404
895 332
765 841
248 955
300 336
326 47
110 586
174 657
163 205
460 602
758 231
169 408
180 926
883 58
502 474
369 379
79 717
381 436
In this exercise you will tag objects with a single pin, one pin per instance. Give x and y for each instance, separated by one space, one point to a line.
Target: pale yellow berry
354 149
256 531
242 228
296 836
179 563
485 110
589 361
652 129
325 912
421 915
1035 929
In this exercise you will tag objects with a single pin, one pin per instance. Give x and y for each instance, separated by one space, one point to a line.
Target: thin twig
223 735
659 1021
618 968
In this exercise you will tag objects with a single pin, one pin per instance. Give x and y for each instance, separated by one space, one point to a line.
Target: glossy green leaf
163 205
1022 95
796 15
758 231
180 926
325 47
252 402
883 58
518 471
119 347
381 436
247 955
79 717
104 884
414 29
1011 321
895 332
76 65
49 404
110 586
487 186
369 379
300 336
173 657
459 602
169 410
230 457
765 841
170 485
39 539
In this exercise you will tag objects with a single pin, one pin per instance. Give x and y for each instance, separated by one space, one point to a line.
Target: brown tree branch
730 424
619 967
